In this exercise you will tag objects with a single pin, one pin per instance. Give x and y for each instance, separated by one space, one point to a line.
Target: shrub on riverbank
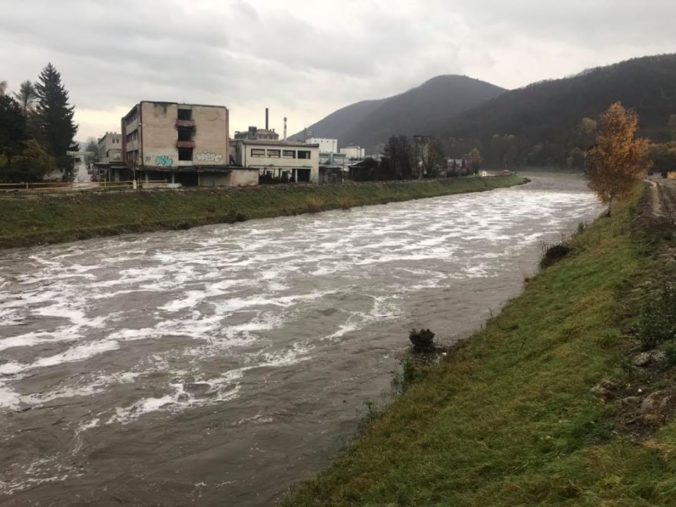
30 219
657 322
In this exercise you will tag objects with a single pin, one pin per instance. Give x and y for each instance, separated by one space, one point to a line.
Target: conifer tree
12 129
55 128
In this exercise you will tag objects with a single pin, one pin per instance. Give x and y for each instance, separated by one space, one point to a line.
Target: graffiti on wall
208 157
164 161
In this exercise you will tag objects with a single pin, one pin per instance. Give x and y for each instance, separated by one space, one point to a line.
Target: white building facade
325 145
354 152
286 160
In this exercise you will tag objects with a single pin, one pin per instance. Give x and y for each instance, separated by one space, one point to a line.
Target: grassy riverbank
543 406
32 219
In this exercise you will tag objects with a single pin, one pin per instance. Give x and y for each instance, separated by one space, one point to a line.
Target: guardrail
71 186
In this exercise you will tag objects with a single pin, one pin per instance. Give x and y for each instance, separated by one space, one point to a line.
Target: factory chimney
267 123
285 128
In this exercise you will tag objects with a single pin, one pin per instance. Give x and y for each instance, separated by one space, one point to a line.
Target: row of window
262 153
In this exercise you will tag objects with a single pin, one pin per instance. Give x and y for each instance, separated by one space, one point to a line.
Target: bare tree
26 96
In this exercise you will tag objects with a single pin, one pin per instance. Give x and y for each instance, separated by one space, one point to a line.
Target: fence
70 186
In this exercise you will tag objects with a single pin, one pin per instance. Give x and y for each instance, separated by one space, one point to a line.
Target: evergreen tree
399 154
32 164
54 119
12 128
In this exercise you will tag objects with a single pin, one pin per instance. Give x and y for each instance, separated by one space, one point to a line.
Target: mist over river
218 365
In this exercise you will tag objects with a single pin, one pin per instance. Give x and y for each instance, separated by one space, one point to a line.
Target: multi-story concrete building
110 148
181 143
109 162
286 161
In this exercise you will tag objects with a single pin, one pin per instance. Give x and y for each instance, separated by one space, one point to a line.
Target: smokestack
285 128
267 125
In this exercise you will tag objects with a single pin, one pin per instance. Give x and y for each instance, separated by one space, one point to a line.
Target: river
219 365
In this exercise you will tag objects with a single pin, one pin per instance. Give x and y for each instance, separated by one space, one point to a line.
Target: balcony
185 144
185 123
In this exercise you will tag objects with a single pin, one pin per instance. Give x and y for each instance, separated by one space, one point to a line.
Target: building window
289 154
185 133
185 154
273 153
185 114
304 154
257 152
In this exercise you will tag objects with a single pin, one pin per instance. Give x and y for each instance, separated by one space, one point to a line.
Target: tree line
509 151
419 157
430 157
36 129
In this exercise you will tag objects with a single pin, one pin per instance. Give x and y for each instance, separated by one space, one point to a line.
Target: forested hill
421 110
539 124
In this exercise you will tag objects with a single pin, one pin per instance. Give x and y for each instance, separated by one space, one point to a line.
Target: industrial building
354 153
283 161
325 145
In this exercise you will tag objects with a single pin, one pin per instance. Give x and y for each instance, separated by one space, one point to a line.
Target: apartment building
110 148
180 143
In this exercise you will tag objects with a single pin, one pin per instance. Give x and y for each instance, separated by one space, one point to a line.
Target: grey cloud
308 58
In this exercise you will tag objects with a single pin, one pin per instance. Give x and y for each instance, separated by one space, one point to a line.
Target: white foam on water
33 339
9 398
174 402
74 354
40 471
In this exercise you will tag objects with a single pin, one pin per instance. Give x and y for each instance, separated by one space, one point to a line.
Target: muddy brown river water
219 365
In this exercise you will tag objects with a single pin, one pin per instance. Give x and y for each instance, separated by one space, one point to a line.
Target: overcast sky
304 59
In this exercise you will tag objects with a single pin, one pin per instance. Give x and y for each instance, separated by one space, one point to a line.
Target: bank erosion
28 219
567 397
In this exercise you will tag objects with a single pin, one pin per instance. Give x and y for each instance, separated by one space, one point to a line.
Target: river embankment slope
545 405
33 219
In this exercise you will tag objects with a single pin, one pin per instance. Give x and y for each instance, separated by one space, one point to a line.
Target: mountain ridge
419 110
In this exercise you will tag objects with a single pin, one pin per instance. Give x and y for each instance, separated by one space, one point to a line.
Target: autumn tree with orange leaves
618 160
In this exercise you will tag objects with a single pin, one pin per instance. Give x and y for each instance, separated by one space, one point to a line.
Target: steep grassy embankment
35 219
543 406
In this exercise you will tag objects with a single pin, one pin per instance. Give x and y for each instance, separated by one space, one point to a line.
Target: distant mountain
545 115
340 124
422 110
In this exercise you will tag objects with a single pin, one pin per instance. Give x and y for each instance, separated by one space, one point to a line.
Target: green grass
511 417
35 219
